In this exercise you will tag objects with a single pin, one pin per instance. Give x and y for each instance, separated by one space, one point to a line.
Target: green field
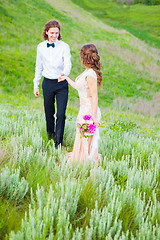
130 68
42 196
140 20
57 200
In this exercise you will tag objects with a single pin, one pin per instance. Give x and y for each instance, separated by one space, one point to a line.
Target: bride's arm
71 82
92 85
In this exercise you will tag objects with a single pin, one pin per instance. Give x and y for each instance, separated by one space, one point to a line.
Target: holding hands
62 78
71 82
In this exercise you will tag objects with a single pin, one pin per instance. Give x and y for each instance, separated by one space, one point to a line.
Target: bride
86 148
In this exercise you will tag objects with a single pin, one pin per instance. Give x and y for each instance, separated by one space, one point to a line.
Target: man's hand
62 78
36 92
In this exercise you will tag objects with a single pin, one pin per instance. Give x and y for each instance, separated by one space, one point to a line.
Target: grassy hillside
42 196
130 68
140 20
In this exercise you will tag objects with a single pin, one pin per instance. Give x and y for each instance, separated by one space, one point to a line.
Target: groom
53 60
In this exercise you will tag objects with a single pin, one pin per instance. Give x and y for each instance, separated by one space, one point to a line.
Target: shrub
11 185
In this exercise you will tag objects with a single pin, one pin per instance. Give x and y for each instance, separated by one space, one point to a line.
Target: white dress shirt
52 62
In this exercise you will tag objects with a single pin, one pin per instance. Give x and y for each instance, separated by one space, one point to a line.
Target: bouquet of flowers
87 128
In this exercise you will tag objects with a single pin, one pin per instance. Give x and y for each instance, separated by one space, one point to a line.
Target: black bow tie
50 45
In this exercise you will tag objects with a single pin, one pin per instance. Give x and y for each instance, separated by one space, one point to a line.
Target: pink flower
87 117
92 128
81 129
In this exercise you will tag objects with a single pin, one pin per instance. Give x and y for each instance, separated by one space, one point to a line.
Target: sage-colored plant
11 185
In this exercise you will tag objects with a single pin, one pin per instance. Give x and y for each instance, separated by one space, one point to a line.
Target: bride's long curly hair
90 59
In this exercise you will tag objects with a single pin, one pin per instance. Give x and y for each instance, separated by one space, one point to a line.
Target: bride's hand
97 124
62 78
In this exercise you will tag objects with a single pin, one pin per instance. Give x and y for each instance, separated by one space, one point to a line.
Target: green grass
140 20
128 68
73 199
66 201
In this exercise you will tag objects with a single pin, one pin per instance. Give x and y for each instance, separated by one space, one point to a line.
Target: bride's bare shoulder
81 75
92 73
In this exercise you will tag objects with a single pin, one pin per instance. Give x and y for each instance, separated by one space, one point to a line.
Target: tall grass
42 196
119 199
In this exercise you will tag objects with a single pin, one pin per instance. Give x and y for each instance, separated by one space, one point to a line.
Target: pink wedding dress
85 149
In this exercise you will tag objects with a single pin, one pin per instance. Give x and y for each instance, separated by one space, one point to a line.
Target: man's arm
67 60
38 73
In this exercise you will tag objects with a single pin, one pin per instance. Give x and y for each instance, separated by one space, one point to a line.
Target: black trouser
51 89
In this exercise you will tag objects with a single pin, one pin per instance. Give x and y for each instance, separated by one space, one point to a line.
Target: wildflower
87 128
87 117
92 128
81 129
